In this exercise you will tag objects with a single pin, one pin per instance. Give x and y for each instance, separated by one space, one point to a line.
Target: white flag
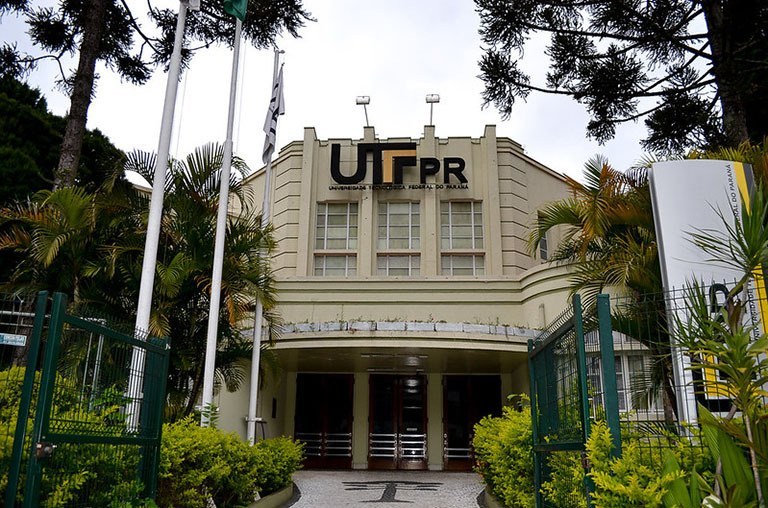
276 108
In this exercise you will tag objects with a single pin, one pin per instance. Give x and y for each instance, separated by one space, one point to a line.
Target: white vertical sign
691 196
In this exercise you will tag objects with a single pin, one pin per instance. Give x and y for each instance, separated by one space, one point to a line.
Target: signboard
12 339
389 162
692 196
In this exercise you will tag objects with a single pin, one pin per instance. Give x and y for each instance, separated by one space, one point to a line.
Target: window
631 383
399 239
336 226
544 247
461 238
621 385
335 266
336 239
398 265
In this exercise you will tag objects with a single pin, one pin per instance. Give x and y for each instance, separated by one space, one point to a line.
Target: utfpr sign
389 160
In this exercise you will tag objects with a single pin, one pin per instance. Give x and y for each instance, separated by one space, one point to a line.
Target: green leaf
678 495
736 471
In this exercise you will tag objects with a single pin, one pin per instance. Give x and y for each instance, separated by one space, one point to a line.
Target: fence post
535 431
581 360
152 415
26 398
608 363
45 398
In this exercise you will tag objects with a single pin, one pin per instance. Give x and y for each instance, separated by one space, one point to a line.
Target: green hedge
199 463
504 458
195 463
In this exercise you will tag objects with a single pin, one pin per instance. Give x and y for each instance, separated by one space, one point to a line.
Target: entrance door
466 400
324 419
397 436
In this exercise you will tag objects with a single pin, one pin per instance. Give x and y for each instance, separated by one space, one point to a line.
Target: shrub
276 460
74 471
202 463
634 479
504 455
565 486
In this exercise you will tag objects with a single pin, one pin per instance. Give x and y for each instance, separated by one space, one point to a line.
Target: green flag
236 8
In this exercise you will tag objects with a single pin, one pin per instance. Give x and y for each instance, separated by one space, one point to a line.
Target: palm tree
609 231
610 241
90 246
183 278
56 235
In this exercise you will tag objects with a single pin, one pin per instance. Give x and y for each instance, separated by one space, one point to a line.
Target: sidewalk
420 489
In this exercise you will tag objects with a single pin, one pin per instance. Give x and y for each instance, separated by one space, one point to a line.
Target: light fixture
432 99
364 100
412 361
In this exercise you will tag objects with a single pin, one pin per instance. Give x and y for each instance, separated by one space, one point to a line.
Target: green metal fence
618 361
89 412
21 327
558 401
648 391
562 398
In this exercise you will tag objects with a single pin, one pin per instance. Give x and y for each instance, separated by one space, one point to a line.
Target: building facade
407 291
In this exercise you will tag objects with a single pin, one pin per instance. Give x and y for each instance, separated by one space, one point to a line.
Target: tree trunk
80 98
720 28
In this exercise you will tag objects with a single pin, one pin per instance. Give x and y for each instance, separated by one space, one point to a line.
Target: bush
276 460
504 458
105 475
504 455
566 481
634 479
202 463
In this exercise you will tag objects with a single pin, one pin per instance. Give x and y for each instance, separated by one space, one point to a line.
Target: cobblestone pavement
420 489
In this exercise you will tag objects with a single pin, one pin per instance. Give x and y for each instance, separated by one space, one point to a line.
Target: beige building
407 292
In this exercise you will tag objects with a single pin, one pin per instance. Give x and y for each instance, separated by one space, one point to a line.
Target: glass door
466 400
398 422
324 419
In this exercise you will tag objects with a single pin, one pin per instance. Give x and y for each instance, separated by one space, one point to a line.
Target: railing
413 446
452 452
338 445
382 445
320 444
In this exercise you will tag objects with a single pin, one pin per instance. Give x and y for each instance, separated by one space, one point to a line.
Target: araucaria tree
695 70
108 31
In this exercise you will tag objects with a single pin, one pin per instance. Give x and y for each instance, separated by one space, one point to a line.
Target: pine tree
109 32
696 70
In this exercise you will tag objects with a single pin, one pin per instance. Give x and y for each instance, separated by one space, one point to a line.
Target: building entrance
397 436
324 419
466 399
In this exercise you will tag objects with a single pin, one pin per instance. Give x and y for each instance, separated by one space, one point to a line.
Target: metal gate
560 396
89 418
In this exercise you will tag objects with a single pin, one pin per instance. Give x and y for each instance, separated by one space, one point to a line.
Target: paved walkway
421 489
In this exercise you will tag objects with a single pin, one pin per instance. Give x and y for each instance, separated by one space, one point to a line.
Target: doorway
397 436
324 419
466 400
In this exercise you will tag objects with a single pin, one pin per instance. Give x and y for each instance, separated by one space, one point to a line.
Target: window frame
322 253
449 252
386 253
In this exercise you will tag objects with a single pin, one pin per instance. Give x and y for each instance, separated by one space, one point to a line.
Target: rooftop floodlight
364 100
432 99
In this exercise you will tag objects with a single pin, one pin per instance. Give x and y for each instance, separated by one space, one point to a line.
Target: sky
394 51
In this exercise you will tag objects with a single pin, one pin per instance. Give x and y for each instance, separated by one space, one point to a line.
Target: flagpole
144 305
218 250
259 313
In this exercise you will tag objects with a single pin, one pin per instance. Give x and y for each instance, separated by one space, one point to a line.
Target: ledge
489 500
410 326
275 499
